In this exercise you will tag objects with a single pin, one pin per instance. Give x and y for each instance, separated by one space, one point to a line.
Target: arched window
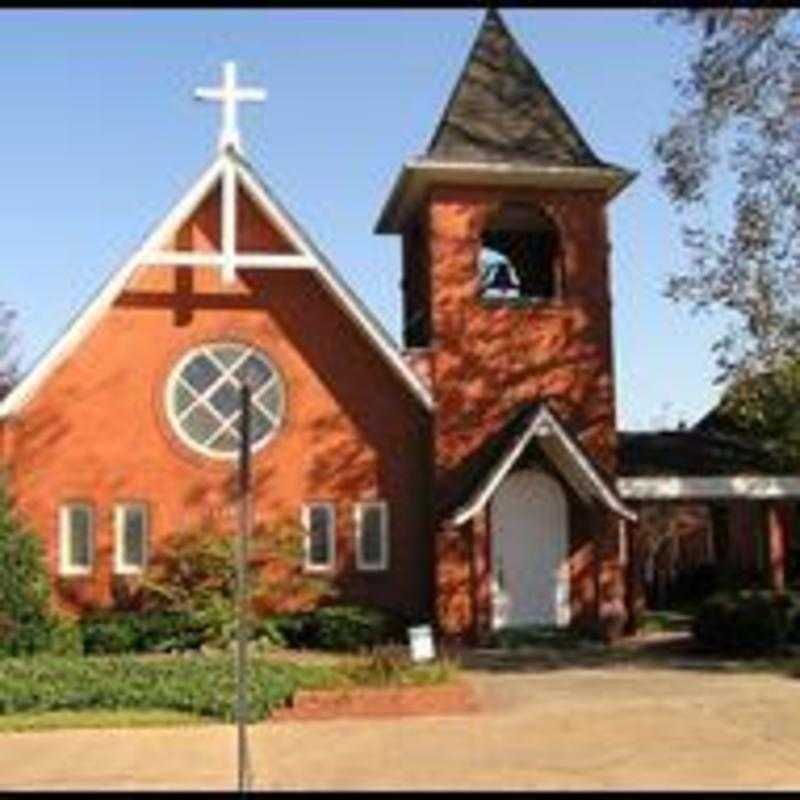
518 254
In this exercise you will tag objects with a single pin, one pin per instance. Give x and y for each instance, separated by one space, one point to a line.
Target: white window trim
305 520
121 568
206 348
384 562
65 568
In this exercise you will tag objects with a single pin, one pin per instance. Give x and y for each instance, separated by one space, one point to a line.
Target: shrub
279 583
344 628
270 632
289 630
170 631
65 638
129 632
25 615
194 567
352 628
198 685
195 574
745 623
109 634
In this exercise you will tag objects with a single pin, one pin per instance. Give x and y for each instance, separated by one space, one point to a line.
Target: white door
530 571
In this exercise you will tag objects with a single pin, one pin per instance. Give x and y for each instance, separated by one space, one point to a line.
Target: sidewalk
622 727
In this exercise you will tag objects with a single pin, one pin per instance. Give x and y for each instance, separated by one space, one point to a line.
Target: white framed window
319 521
202 398
76 538
131 533
372 535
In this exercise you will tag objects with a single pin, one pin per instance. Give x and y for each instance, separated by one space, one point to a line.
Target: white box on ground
420 640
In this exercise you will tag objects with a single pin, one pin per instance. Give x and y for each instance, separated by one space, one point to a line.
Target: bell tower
505 260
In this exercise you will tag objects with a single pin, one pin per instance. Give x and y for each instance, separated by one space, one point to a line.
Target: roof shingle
501 110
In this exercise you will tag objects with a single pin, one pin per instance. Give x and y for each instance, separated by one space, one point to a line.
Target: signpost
245 778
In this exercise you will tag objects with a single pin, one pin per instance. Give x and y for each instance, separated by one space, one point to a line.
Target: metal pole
241 587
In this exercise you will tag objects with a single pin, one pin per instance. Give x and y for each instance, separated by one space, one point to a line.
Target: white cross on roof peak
228 95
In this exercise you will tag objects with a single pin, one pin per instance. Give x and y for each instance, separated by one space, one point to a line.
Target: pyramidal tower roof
501 110
502 124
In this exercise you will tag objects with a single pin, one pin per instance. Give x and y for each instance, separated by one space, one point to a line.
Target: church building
473 476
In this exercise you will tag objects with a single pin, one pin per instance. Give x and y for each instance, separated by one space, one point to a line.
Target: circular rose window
203 398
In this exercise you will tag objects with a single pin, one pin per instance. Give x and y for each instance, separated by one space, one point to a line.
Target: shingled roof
533 428
501 110
689 453
502 126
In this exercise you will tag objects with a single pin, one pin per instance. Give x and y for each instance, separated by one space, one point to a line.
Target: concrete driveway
611 727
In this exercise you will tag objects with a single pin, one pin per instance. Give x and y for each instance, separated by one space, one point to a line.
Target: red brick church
473 476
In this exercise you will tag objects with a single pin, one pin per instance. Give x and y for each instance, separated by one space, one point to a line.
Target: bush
193 569
25 616
270 632
745 623
349 628
195 574
338 628
292 630
130 632
65 638
112 634
352 628
198 685
344 628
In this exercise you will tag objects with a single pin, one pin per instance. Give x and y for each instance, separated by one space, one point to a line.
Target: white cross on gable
228 95
230 173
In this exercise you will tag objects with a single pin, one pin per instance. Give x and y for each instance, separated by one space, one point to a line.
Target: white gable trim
89 315
262 199
334 283
148 253
586 479
185 258
419 174
670 487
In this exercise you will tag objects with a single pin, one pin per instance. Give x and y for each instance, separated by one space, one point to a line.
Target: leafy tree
740 98
279 583
764 408
190 570
195 573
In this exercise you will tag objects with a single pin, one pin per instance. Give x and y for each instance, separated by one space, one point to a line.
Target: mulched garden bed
391 701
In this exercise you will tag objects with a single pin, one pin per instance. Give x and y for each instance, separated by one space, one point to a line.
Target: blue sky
101 135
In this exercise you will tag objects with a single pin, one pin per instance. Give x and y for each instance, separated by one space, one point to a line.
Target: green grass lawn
98 718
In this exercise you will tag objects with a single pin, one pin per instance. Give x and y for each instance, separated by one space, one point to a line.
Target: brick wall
487 360
97 431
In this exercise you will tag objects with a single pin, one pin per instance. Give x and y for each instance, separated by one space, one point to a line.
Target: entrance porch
536 541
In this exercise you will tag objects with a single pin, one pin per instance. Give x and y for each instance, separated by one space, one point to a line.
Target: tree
764 409
194 573
8 367
740 97
25 606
